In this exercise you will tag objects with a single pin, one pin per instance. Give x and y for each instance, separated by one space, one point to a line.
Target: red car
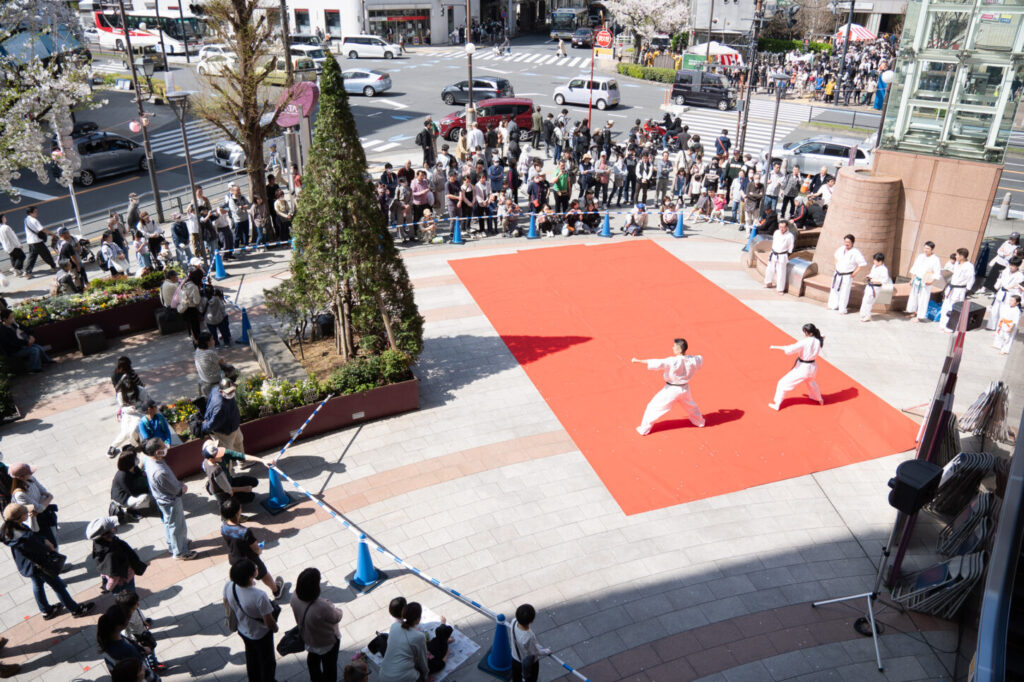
490 111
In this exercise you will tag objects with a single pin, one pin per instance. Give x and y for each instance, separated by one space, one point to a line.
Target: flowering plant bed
122 319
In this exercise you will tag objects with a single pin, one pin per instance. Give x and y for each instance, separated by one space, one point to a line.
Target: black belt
874 287
678 385
778 253
802 360
957 286
836 275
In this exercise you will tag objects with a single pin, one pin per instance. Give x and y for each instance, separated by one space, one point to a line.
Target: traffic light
196 9
791 15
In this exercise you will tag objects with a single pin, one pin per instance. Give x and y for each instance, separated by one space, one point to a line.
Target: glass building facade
958 78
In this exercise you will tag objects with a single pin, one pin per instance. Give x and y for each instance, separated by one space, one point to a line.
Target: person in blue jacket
154 425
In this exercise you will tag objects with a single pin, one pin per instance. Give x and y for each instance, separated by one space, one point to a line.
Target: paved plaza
483 489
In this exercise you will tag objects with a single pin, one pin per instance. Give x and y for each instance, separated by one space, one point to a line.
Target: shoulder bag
292 642
233 617
529 663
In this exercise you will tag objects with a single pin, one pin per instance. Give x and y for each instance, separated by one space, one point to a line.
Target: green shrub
648 73
783 45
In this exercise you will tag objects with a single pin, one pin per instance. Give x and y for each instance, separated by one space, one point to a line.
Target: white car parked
363 46
215 49
603 92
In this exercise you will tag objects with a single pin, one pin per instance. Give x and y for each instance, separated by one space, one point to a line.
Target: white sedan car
214 49
366 81
601 91
216 64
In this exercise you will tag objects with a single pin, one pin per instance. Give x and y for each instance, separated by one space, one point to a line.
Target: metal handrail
997 599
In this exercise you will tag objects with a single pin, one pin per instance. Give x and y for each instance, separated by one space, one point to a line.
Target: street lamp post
150 166
846 46
470 110
887 77
779 78
751 60
179 103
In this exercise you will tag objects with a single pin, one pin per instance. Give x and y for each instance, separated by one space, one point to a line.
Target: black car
483 88
583 37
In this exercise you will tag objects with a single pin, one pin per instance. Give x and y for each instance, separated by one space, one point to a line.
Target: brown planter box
59 336
274 431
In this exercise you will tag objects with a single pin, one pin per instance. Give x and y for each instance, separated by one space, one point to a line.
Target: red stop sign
603 38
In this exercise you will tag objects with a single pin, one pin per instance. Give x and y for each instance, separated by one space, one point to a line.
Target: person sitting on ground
154 425
701 208
718 204
547 221
668 215
815 212
115 560
406 655
801 217
168 288
508 217
591 216
67 281
219 481
17 342
636 221
428 226
129 490
572 219
242 545
768 223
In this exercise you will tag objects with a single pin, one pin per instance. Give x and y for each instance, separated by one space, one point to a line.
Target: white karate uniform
924 272
842 279
879 276
778 259
677 371
1006 329
1008 284
961 279
805 369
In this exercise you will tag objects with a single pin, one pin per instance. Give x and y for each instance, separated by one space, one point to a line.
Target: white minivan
601 91
362 46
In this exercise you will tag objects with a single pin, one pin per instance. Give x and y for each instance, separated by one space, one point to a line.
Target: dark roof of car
505 100
584 29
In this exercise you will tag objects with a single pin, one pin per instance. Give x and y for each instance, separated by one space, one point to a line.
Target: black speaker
169 321
975 316
914 486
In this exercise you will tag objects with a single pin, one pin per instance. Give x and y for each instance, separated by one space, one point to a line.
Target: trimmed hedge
782 45
648 73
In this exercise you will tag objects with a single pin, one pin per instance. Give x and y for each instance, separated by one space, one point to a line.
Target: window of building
332 20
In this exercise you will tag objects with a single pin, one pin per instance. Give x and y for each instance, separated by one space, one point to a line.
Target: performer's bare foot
641 431
781 293
821 401
774 406
915 318
865 319
768 286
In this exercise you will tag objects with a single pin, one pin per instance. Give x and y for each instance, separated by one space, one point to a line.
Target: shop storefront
413 23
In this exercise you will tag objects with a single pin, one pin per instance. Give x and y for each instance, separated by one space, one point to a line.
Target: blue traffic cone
750 239
532 234
678 234
606 228
498 661
218 267
457 233
366 577
246 326
278 500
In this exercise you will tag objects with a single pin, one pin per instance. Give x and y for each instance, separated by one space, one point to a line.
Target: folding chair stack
941 590
981 411
960 481
949 445
969 530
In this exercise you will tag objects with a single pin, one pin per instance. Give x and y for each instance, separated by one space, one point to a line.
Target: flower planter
123 320
274 431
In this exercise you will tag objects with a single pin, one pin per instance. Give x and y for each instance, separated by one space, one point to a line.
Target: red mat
573 316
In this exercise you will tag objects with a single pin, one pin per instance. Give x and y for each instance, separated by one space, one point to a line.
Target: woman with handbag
114 647
37 560
30 493
318 627
255 620
406 657
526 652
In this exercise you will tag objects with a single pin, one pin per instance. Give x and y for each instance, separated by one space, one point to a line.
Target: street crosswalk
202 138
548 57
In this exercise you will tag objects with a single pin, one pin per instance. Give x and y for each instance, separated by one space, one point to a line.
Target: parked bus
566 20
179 29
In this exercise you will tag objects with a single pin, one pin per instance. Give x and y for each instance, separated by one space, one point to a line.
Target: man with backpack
425 140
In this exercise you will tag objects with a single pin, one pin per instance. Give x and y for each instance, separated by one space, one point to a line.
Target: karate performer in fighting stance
677 371
1006 328
927 267
878 277
783 243
848 261
805 368
961 279
1008 283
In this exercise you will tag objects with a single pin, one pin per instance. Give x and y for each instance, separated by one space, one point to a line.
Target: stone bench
276 360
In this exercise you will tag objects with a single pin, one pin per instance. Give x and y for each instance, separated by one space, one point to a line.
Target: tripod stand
862 624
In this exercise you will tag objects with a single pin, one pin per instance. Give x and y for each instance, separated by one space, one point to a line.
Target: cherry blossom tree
38 90
647 18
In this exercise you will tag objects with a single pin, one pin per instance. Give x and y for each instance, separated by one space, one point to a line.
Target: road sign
603 38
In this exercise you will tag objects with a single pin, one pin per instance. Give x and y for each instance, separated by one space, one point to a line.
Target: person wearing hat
27 491
154 425
221 419
30 549
68 250
219 482
116 562
636 221
167 492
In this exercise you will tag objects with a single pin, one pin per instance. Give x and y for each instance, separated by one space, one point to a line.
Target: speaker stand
866 624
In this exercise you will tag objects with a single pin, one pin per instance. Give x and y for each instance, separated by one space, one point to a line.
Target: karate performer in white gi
927 267
960 280
997 265
848 261
878 277
1006 328
805 368
677 371
783 243
1010 282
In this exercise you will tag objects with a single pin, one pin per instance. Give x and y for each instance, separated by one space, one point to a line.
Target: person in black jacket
768 223
16 342
130 488
116 562
30 550
181 239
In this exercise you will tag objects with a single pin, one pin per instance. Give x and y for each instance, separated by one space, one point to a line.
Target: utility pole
160 32
711 20
754 34
846 46
150 166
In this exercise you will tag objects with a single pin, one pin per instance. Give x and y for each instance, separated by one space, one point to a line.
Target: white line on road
531 58
487 68
385 147
34 195
394 103
520 57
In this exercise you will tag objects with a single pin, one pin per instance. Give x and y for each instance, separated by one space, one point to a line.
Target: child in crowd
139 628
1006 328
718 206
878 277
524 644
428 226
141 246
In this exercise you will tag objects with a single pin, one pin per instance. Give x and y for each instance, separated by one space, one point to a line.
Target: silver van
105 154
601 91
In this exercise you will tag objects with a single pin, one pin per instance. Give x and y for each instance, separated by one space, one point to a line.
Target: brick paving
484 490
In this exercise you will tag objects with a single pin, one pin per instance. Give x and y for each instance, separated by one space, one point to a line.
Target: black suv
583 37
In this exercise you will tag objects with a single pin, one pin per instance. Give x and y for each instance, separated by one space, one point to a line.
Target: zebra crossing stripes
533 58
202 138
371 145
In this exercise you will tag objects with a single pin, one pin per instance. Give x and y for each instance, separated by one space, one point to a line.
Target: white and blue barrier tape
362 536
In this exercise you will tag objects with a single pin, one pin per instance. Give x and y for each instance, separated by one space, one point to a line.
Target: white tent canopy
723 53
